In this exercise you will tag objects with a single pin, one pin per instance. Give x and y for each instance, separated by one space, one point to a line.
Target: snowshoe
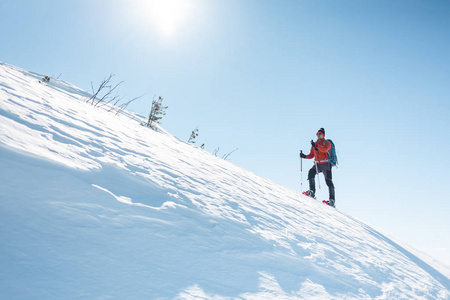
310 194
329 202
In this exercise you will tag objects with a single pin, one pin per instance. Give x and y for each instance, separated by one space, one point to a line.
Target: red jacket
321 156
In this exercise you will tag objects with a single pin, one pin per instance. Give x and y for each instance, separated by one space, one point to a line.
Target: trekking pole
301 171
317 173
315 162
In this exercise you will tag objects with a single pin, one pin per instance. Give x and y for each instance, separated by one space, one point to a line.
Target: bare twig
226 156
108 93
116 98
104 84
124 105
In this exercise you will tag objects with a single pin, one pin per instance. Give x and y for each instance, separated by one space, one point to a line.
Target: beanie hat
321 130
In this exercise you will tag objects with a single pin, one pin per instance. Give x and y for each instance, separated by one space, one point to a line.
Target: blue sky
263 76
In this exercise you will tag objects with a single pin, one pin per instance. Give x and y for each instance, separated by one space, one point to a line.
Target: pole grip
301 171
301 161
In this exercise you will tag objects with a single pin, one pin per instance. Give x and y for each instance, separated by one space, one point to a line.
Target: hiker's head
321 134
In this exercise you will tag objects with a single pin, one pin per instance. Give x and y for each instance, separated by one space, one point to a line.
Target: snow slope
96 206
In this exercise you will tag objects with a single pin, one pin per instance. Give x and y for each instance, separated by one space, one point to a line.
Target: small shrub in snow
194 134
156 113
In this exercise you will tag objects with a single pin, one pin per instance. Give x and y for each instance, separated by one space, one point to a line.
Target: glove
314 145
302 155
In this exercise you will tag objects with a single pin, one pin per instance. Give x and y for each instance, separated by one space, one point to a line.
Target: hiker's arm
325 148
311 154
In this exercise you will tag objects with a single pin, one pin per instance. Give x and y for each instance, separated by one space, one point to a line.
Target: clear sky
263 76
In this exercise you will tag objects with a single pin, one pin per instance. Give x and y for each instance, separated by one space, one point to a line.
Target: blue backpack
332 157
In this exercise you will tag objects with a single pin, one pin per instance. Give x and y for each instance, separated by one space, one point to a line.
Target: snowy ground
96 206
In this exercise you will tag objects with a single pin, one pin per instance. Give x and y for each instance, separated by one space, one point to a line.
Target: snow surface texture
96 206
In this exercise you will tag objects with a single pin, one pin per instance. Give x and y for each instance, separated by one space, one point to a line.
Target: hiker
319 151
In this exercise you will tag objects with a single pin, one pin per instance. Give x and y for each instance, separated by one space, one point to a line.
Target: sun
166 16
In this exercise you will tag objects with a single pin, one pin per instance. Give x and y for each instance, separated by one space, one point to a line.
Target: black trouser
324 168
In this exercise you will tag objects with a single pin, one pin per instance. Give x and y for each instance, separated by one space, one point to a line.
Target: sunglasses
319 133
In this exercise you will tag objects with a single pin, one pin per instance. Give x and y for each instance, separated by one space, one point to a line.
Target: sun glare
166 16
